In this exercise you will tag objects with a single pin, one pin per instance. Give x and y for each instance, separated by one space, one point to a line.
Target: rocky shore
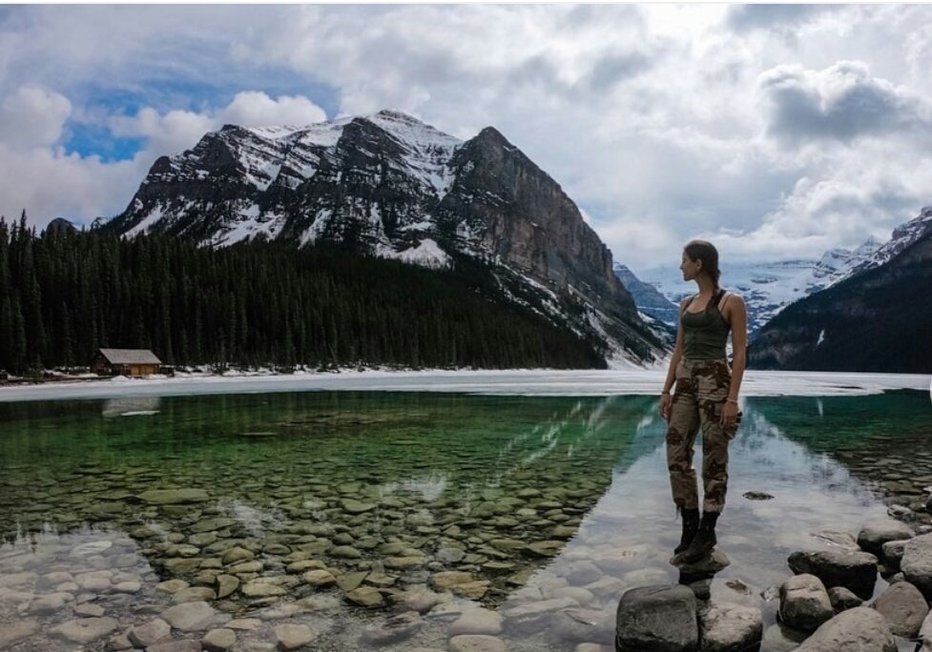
870 593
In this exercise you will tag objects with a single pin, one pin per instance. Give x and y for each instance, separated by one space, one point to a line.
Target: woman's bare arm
738 318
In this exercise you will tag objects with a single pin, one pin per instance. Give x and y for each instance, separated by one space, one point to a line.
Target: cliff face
392 186
878 319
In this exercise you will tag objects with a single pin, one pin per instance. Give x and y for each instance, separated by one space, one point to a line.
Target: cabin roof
130 356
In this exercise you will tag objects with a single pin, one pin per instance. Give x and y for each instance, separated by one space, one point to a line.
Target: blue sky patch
91 139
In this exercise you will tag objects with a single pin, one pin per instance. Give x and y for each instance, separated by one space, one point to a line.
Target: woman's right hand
665 402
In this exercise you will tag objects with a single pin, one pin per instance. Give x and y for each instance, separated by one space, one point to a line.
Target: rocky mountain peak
390 185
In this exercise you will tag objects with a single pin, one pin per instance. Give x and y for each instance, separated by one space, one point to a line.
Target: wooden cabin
126 362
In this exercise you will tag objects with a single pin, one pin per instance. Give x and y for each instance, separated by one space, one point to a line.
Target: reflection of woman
706 398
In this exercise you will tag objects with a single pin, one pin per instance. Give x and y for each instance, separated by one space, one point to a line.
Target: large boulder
657 619
729 627
851 569
925 633
804 602
876 533
903 607
916 563
860 628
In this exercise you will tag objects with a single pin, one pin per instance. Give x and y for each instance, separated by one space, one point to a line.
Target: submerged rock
149 633
477 621
10 633
85 630
476 643
191 616
293 636
394 630
174 496
365 596
219 640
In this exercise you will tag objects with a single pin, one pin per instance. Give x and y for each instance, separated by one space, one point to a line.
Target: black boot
702 544
690 518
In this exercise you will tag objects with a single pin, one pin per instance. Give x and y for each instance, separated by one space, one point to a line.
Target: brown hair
708 254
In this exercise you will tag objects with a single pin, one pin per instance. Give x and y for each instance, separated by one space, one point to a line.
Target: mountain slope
391 186
769 287
877 319
647 297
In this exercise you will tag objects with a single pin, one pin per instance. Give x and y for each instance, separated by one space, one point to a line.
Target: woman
706 398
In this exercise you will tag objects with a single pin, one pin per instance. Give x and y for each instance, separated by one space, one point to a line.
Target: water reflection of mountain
882 440
626 539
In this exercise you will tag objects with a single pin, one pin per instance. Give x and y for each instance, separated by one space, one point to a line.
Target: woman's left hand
729 414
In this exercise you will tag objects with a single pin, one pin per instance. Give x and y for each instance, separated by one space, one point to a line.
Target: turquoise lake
341 510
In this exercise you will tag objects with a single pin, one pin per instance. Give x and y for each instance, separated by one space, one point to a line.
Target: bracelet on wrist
731 400
664 392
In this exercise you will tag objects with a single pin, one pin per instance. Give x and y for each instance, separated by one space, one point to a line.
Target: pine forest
65 293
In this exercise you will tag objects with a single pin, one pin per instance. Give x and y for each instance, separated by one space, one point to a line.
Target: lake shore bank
529 382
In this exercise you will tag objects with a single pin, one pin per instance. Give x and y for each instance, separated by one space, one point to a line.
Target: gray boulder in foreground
857 630
876 533
729 627
856 571
903 607
657 619
916 563
804 602
925 633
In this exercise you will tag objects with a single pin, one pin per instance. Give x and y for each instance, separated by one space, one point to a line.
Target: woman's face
690 267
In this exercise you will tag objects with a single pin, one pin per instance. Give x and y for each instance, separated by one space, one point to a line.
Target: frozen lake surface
537 382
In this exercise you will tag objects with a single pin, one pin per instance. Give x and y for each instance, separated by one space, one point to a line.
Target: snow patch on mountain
155 214
769 287
426 254
321 220
903 236
429 149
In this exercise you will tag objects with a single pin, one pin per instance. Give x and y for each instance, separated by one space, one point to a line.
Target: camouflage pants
701 390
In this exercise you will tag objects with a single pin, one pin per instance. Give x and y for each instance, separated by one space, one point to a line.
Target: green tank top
705 333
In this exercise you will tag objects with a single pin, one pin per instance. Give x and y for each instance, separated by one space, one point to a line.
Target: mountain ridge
876 319
392 186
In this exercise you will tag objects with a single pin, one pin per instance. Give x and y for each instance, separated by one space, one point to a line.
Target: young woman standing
706 398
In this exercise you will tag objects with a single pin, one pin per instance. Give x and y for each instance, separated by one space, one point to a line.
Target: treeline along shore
65 293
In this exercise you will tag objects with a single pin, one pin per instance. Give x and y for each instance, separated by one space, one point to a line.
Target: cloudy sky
774 131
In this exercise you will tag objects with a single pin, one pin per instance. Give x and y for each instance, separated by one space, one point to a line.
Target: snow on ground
534 382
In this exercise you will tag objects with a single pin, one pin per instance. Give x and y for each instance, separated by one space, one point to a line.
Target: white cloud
48 183
40 177
778 130
33 116
841 102
256 109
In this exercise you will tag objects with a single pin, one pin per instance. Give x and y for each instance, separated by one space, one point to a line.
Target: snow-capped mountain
767 288
877 318
389 185
648 298
903 236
